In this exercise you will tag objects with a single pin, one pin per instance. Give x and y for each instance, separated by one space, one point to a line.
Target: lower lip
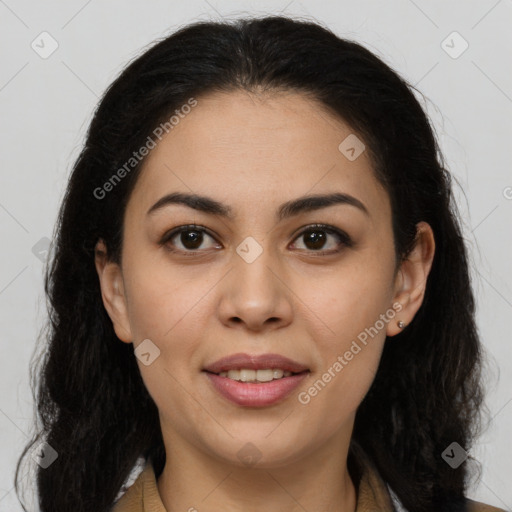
256 394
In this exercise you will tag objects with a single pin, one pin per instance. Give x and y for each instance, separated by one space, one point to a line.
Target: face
258 278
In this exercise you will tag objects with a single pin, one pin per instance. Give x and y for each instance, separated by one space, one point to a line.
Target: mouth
263 363
256 376
255 393
257 380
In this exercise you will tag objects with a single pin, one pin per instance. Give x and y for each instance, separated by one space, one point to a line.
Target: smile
253 392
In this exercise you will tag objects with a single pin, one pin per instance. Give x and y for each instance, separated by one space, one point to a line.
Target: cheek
162 299
348 357
335 393
171 311
353 310
350 299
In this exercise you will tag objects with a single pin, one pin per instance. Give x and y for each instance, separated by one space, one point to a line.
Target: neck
192 480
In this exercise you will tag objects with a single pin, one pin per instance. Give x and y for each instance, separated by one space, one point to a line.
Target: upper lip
255 362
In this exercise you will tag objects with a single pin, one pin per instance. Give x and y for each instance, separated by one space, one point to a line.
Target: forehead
243 148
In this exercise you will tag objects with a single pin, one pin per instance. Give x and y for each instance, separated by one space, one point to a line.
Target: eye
316 236
189 239
185 238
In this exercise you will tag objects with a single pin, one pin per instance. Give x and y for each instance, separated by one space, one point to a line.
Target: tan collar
372 492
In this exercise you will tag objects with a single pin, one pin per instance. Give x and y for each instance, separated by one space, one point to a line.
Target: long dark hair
92 403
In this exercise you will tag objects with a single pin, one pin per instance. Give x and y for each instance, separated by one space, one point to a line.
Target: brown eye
316 237
191 239
186 239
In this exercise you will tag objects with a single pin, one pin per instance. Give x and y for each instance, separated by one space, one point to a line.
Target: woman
259 291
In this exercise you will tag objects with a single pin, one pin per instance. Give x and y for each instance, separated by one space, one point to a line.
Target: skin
253 153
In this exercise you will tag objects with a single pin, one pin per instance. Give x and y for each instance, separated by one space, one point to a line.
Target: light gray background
46 104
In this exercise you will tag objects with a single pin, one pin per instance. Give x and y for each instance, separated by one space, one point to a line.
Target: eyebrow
289 209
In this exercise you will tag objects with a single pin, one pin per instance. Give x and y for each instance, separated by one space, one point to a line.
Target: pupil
191 238
317 238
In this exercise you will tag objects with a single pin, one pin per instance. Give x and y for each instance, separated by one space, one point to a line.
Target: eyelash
345 240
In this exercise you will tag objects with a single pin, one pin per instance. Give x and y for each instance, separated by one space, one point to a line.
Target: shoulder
131 500
476 506
142 495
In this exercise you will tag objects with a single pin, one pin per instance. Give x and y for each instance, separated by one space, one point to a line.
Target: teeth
277 374
246 375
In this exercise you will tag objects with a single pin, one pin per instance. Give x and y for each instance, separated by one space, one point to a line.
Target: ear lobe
112 292
412 277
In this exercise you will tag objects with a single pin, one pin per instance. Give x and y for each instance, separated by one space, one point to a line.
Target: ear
112 292
411 279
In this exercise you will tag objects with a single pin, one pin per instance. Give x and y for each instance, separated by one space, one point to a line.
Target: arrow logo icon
351 147
146 352
44 45
44 455
249 454
454 45
454 455
249 249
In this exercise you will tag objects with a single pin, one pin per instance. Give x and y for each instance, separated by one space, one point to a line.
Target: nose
255 294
